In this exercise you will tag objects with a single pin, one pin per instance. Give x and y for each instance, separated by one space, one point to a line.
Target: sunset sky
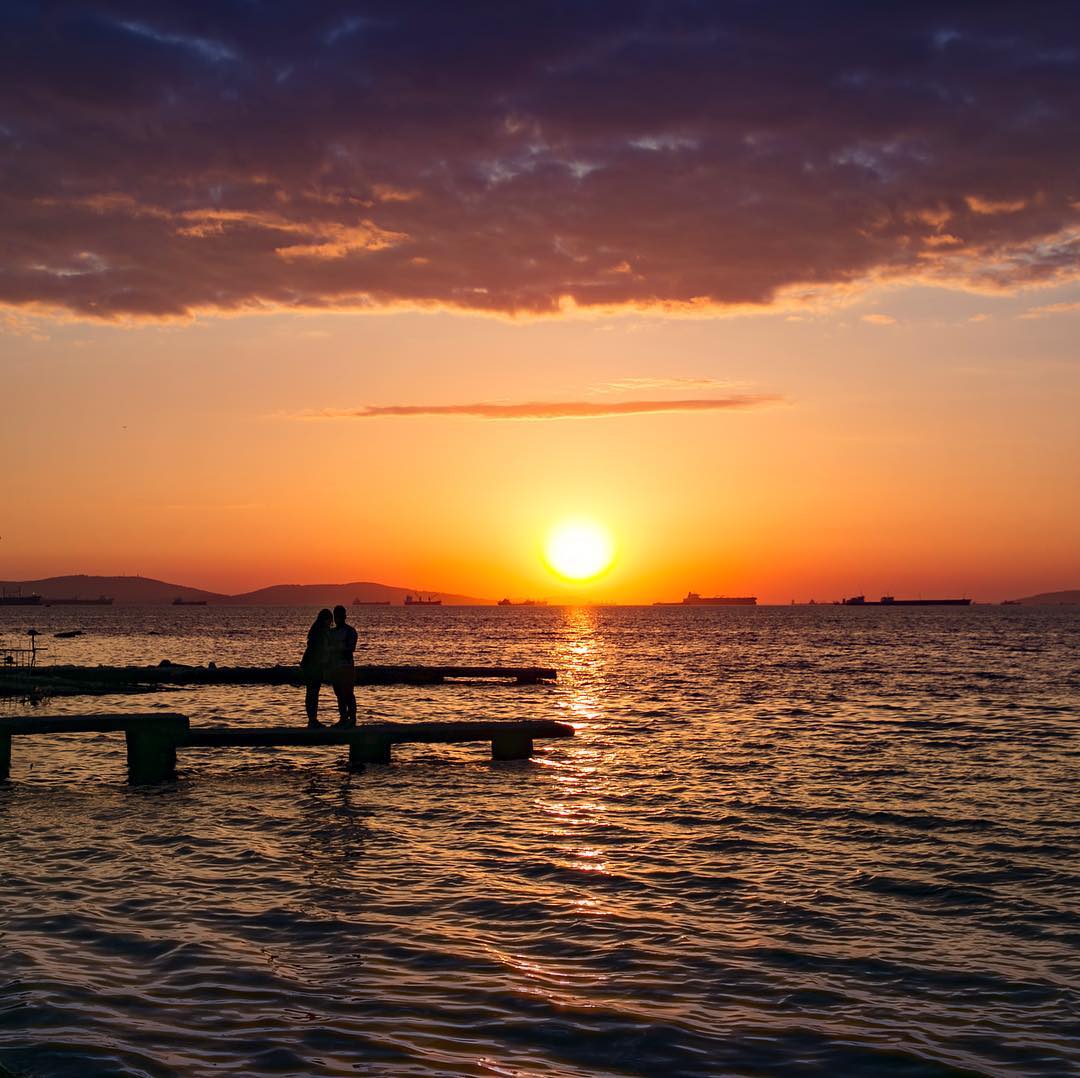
786 297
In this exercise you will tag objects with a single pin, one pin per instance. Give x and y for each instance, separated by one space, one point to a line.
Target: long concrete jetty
168 673
104 680
154 738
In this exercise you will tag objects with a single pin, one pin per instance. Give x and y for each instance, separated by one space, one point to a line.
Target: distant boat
419 600
188 602
888 600
101 600
371 602
524 602
16 598
693 599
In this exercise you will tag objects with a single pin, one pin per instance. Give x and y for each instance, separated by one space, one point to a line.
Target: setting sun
579 550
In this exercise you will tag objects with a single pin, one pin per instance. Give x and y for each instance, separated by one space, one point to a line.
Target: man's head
339 615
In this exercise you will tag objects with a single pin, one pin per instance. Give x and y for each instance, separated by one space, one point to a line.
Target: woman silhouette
313 663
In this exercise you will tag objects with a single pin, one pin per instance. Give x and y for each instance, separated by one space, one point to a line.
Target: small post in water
151 752
368 749
511 746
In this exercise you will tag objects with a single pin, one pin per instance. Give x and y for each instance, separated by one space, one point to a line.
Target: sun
579 550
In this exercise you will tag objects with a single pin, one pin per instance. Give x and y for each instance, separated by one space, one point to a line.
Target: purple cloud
159 159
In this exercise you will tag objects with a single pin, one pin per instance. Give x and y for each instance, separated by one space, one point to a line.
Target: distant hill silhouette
143 589
331 594
1052 598
124 589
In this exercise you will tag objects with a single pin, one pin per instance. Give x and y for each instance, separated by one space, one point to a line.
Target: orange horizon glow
907 457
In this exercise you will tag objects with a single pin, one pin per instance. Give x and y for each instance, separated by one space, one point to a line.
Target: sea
784 840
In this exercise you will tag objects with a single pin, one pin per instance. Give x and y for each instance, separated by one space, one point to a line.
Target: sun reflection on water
581 663
578 803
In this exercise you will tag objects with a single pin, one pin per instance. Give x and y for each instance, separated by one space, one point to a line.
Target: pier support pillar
151 755
368 749
5 756
511 746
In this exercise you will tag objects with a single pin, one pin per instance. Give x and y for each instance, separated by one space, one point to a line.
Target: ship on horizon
16 598
419 600
178 601
101 600
524 602
694 599
371 602
888 600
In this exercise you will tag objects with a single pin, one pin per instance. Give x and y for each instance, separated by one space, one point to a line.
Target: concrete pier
104 680
180 674
154 739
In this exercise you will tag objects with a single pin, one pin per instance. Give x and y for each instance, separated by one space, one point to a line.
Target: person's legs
350 695
340 690
346 697
311 701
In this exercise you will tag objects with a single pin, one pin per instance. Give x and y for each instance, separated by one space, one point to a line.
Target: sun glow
579 550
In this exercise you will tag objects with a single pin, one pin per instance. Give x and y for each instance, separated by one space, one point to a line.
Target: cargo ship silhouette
693 599
101 600
888 600
16 598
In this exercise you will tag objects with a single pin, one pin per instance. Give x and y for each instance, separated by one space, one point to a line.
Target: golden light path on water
576 806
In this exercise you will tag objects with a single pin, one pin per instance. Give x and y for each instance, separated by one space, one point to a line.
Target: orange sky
786 298
913 442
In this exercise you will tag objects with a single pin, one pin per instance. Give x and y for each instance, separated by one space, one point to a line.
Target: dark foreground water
818 841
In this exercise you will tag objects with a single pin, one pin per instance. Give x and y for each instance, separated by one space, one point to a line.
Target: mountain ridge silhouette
134 590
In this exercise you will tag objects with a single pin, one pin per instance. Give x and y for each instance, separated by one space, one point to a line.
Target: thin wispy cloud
1051 309
551 409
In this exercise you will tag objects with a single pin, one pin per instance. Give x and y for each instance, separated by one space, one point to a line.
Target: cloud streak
159 159
1050 309
552 409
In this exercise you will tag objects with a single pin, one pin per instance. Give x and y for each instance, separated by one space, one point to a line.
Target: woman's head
324 619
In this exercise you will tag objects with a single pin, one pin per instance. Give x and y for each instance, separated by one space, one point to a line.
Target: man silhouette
341 668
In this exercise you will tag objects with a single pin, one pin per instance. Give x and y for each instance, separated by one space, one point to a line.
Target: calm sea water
817 840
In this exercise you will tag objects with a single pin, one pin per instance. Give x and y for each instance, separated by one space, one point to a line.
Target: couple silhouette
328 657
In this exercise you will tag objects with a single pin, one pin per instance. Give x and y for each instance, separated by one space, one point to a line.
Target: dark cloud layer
159 158
554 409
